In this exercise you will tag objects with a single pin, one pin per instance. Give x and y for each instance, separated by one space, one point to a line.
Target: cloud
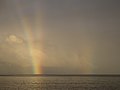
14 56
14 39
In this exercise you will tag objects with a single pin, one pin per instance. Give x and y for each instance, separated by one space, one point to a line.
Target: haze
70 36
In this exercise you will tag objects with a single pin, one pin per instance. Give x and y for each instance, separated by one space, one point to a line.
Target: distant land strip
62 75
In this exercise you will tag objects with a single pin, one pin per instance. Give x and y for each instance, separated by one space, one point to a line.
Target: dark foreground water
59 83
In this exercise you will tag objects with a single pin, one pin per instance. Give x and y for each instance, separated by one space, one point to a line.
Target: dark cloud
2 4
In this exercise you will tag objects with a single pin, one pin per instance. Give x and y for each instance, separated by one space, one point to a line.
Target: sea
59 82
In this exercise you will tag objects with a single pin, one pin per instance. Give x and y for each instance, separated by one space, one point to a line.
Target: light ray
36 55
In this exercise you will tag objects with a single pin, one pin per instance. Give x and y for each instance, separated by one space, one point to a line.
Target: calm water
59 83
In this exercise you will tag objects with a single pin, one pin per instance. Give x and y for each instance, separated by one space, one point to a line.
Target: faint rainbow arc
30 39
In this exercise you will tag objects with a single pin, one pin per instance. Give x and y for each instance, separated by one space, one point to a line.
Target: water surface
59 83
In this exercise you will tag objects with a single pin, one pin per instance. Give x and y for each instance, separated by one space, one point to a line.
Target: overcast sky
68 36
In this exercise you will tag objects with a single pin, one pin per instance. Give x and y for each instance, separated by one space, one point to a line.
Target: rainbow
36 55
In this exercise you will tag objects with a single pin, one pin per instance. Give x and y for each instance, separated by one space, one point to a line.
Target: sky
59 36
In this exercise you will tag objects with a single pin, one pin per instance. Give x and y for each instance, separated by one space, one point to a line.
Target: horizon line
92 75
